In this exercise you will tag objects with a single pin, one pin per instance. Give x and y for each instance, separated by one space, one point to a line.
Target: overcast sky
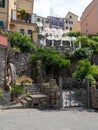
60 7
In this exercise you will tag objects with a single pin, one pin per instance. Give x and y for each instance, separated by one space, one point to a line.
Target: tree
74 34
23 42
51 61
95 38
84 69
83 40
83 53
94 71
93 45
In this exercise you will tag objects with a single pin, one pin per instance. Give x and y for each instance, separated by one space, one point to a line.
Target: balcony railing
17 17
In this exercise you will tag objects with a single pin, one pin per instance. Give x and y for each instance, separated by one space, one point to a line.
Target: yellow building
71 22
3 14
17 15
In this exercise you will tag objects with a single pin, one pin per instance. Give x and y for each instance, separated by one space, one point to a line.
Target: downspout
7 15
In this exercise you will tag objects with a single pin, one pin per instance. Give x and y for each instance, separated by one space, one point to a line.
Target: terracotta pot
18 100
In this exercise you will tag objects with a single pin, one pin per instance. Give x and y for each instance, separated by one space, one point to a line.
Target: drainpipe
7 24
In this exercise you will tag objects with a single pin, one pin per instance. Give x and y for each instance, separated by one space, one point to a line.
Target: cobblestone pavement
32 119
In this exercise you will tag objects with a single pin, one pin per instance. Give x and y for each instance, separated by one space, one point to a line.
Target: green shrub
82 69
83 53
23 42
45 85
94 71
74 34
50 60
95 38
84 41
15 49
17 89
23 13
91 78
85 69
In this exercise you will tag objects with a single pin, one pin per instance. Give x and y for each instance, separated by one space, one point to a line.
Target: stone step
24 103
33 90
37 96
33 93
29 101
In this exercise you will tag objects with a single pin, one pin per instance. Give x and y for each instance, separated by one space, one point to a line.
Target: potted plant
25 80
23 14
19 15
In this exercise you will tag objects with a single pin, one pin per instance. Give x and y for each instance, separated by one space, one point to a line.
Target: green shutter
3 3
1 24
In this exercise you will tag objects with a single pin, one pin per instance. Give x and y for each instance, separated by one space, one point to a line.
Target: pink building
89 19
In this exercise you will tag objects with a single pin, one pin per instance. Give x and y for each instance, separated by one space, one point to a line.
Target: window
66 28
43 21
2 3
47 21
70 28
70 17
30 32
22 31
38 19
71 22
1 24
66 21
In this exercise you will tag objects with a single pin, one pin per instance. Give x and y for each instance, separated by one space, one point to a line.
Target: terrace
21 16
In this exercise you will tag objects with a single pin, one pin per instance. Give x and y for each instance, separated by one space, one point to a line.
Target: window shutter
3 3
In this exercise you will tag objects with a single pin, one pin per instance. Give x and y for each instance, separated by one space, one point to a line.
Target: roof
87 8
71 13
3 40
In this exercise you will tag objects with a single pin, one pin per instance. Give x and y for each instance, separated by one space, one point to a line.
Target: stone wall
94 96
2 66
52 91
95 59
21 62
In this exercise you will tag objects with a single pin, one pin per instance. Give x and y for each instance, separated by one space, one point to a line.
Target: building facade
3 14
17 15
3 59
56 22
41 22
89 19
71 22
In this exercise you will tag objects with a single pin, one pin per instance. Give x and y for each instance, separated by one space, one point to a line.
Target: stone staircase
35 99
34 89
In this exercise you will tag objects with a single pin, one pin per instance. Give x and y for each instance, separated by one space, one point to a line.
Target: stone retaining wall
21 62
2 66
95 59
53 93
94 96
